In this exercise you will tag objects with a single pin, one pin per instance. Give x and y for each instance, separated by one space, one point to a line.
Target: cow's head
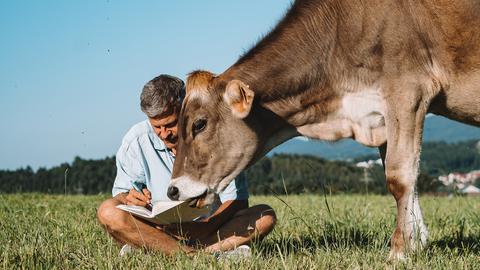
217 138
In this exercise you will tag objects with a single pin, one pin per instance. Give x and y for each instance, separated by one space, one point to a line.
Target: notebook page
162 206
135 209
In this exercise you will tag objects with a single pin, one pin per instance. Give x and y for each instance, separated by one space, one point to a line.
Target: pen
137 188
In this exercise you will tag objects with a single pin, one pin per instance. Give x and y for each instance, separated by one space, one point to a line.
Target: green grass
60 232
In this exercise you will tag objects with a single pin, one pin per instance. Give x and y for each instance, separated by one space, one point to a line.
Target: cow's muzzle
198 201
185 189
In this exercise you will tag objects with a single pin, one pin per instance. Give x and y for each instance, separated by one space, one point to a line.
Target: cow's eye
198 126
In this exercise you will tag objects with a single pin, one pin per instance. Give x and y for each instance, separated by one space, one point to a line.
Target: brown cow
366 70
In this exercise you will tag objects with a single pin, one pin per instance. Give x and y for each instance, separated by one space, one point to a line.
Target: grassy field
61 232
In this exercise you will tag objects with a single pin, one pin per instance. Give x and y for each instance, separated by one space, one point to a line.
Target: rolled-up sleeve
236 190
129 168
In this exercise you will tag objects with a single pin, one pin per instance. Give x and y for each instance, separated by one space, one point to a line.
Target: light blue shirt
144 158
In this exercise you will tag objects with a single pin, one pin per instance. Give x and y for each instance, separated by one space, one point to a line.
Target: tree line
277 174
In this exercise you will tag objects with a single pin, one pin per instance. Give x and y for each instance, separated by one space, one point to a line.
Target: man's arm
129 169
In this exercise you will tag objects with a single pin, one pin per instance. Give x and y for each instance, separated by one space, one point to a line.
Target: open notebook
166 212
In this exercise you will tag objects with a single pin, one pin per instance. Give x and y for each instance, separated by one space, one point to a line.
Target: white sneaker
241 252
126 249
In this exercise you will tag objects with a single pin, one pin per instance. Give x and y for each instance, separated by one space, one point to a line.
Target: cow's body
367 70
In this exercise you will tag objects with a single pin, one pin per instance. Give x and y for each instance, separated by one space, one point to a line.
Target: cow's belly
461 101
361 117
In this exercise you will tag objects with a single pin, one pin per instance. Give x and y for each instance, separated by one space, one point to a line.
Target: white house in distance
462 181
369 163
471 190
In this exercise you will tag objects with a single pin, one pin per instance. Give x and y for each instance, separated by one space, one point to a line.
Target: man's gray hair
161 94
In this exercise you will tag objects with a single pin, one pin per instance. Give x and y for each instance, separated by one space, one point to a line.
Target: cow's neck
277 99
290 61
282 71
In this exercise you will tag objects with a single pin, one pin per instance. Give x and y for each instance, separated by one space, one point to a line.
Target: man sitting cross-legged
146 156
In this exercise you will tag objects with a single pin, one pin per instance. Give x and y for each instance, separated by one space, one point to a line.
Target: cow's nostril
172 193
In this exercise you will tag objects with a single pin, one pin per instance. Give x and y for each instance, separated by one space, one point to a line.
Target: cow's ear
239 97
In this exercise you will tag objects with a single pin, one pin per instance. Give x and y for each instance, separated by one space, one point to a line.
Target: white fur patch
361 116
414 226
364 107
365 111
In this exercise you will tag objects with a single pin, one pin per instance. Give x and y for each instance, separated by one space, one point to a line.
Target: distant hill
275 174
437 128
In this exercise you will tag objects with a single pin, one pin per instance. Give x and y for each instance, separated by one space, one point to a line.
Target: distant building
459 178
471 190
462 182
369 163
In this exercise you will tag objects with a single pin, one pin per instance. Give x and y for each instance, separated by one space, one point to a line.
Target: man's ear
239 97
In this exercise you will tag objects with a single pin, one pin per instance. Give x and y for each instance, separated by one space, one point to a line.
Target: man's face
165 126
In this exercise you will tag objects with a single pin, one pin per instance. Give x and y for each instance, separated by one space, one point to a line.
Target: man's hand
136 198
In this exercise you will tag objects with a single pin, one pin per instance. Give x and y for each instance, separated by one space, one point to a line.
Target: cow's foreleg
404 132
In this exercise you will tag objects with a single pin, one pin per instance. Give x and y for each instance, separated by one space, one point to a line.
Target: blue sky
71 71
